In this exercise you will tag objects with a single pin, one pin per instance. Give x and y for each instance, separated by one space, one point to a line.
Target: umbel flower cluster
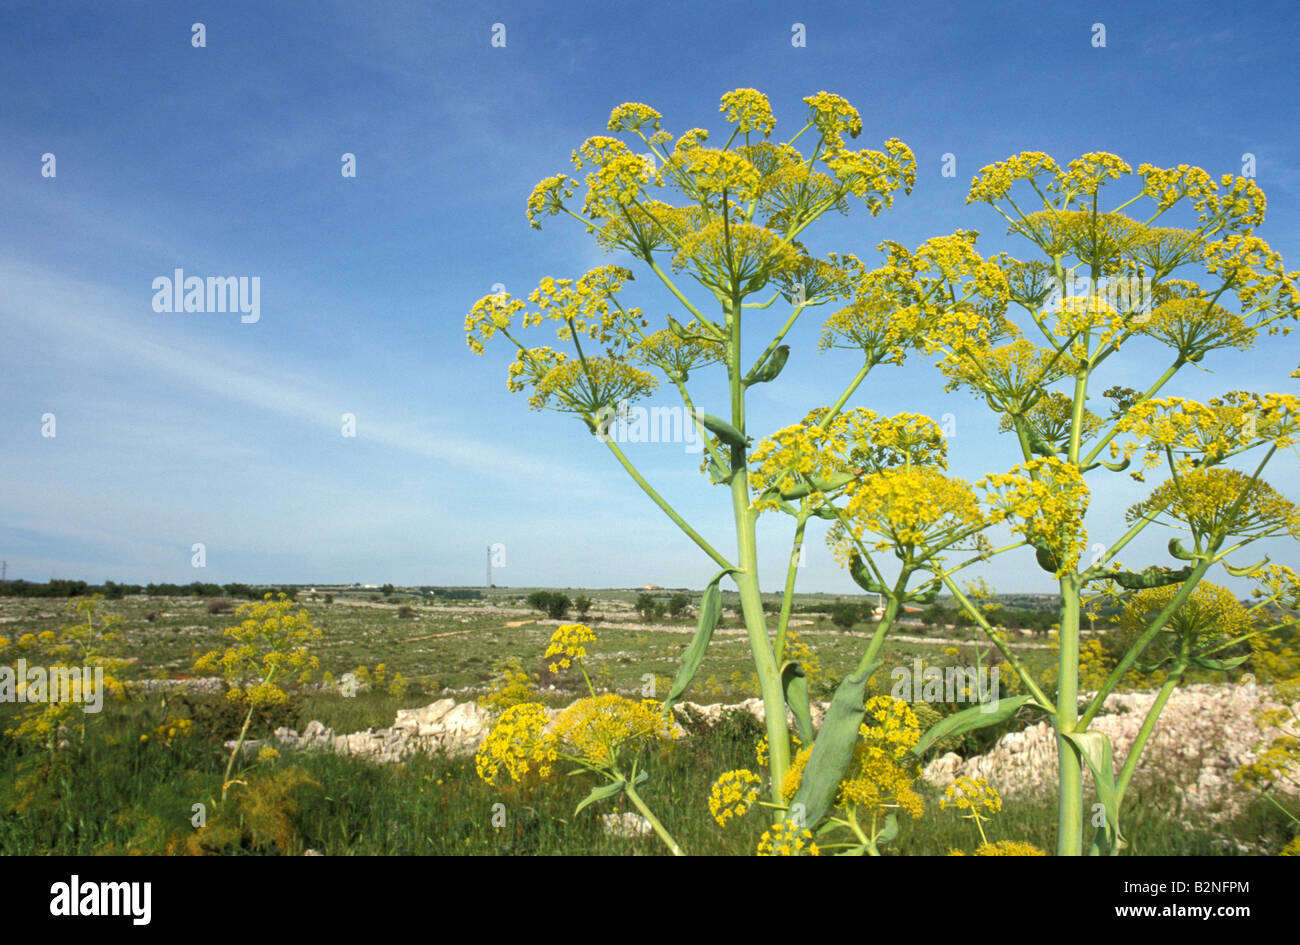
605 735
742 209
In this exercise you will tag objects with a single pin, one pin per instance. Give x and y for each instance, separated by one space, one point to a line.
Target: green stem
746 576
787 599
664 835
663 504
1012 660
835 408
225 779
1135 651
1069 825
1149 723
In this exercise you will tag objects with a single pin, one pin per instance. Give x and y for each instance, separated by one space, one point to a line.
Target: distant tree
582 604
844 615
387 590
678 604
553 603
936 616
645 605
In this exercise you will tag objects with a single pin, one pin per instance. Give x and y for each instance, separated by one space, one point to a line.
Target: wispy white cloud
71 313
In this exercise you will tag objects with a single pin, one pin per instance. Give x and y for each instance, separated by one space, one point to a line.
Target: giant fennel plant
729 219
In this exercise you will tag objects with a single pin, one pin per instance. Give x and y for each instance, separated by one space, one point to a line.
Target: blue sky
176 428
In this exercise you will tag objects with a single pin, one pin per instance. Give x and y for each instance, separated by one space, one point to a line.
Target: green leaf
833 750
1113 467
927 597
1176 550
602 792
1047 560
795 685
826 511
717 473
724 430
1152 577
889 832
1095 748
818 484
1039 445
678 328
967 720
1248 571
862 577
1206 663
710 612
770 368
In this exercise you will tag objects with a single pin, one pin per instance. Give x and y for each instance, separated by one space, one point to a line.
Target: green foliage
846 615
552 603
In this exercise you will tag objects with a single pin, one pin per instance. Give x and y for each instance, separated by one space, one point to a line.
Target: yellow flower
568 643
1045 501
1207 502
1008 848
741 253
733 794
794 773
907 508
631 116
874 176
1212 614
972 794
595 730
833 116
749 110
517 745
787 839
547 198
994 181
1086 174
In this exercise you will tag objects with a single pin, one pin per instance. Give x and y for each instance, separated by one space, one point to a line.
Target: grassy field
117 792
118 795
458 646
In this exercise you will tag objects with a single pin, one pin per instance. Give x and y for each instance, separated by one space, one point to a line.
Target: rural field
130 782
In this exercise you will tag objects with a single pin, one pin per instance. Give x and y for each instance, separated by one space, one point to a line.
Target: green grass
459 645
117 794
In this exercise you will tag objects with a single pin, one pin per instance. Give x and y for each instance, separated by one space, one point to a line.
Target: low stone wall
1205 733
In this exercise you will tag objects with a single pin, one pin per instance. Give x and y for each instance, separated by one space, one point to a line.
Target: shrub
645 605
845 615
552 603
